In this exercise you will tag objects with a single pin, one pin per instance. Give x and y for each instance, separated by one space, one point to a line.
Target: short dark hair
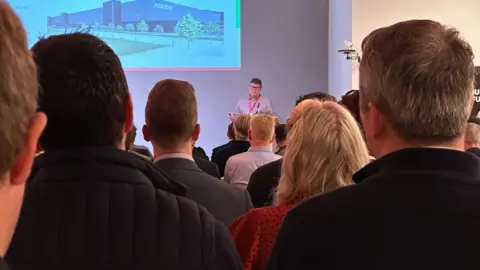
130 139
281 132
171 112
256 81
321 96
230 132
474 120
18 86
83 91
351 101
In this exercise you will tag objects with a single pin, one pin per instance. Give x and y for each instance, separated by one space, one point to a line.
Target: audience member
198 152
21 124
230 136
472 137
325 148
322 96
280 139
201 159
351 100
265 179
261 134
130 142
241 144
171 116
416 205
89 203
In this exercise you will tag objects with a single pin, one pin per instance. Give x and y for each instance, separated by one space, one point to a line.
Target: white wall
340 29
367 15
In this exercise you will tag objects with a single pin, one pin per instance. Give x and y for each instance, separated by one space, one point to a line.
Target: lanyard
253 106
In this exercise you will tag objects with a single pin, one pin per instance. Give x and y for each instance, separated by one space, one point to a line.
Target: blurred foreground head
325 148
83 91
20 123
416 86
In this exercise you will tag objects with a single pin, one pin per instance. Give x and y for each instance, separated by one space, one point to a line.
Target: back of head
83 91
419 74
325 148
472 136
18 86
351 101
242 124
320 96
262 128
281 132
171 113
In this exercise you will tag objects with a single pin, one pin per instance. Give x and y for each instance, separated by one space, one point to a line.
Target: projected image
146 34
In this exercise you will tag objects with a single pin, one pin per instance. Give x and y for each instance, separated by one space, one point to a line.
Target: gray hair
420 74
18 86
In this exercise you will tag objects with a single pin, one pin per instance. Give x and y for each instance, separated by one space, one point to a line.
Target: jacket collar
172 163
107 155
422 160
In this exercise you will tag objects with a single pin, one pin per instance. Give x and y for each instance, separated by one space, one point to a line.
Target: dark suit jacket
414 209
207 166
215 150
224 153
262 183
224 201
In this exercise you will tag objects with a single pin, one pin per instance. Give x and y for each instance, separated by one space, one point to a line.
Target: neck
254 143
158 151
399 144
11 197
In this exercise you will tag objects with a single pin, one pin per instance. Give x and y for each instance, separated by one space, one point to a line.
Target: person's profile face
254 90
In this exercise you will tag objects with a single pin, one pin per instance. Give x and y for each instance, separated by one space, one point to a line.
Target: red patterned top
255 232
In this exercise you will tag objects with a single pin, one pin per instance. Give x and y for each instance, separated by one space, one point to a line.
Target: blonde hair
325 148
262 128
241 125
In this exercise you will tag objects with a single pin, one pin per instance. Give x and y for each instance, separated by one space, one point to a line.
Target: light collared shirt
240 167
174 155
263 106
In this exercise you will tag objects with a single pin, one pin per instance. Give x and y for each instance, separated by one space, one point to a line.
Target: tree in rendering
119 28
212 28
158 28
188 28
130 27
142 26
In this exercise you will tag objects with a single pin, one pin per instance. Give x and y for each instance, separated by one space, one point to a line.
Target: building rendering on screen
154 13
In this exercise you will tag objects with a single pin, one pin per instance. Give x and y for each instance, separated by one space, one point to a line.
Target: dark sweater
414 209
103 208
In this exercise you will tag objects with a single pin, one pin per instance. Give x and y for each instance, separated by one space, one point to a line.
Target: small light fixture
350 53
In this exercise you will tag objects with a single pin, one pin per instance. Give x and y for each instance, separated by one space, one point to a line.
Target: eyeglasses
254 87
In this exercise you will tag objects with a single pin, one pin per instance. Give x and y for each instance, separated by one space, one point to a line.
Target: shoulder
181 212
326 206
237 158
260 217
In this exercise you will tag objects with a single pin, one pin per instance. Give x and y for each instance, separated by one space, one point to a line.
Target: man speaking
255 103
